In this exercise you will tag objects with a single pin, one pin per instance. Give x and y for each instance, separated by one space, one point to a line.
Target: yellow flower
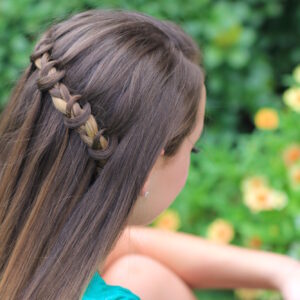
266 118
264 198
291 154
291 98
279 199
296 74
169 220
248 294
220 231
294 175
253 182
229 36
258 199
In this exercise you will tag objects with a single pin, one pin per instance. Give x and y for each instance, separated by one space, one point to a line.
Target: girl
96 140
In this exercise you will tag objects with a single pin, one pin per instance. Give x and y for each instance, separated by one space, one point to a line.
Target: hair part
60 216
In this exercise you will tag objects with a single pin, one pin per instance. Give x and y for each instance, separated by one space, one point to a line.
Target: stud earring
146 194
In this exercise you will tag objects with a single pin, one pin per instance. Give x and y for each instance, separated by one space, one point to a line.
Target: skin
168 176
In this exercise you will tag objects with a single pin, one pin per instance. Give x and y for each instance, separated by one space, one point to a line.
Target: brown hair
62 209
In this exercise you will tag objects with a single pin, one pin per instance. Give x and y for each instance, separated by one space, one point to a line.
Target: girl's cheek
183 175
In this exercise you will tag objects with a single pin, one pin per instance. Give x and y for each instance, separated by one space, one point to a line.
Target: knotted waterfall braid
80 119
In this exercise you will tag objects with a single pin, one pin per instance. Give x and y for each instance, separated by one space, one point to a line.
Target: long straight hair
60 216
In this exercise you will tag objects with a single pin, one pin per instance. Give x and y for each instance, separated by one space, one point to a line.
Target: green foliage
250 50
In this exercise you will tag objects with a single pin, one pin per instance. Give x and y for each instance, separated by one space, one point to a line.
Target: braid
81 119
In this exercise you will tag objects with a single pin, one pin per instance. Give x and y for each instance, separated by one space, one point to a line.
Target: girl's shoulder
99 290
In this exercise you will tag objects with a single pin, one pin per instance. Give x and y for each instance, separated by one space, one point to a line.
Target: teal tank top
99 290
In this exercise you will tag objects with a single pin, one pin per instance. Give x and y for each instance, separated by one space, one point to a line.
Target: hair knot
102 154
48 75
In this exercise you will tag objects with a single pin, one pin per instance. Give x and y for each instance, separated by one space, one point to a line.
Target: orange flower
258 199
266 118
291 154
168 220
291 98
255 242
294 175
220 231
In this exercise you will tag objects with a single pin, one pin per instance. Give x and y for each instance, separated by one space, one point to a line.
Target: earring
146 194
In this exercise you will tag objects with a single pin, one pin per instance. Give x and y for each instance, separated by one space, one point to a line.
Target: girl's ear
162 152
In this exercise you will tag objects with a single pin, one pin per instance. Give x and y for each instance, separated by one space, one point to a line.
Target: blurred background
244 184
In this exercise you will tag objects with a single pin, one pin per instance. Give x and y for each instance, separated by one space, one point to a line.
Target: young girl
96 140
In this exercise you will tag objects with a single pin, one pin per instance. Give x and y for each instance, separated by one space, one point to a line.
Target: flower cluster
258 195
